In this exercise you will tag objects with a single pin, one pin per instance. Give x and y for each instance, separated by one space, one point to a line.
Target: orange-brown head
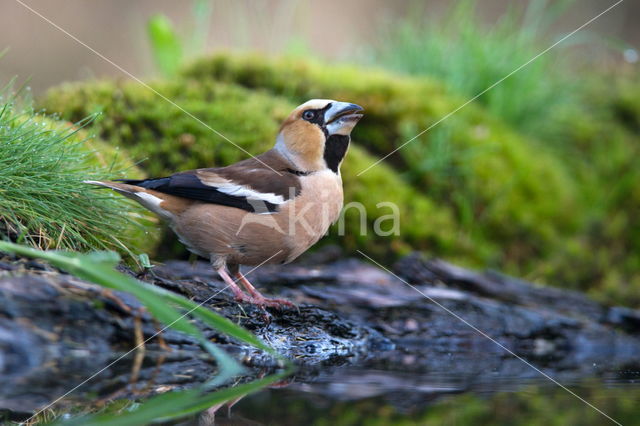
316 134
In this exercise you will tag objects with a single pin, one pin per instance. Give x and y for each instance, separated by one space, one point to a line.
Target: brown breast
237 236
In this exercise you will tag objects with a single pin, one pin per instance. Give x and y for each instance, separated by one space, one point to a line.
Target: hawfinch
266 209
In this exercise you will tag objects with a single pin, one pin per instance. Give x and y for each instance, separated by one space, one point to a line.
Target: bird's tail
150 199
125 189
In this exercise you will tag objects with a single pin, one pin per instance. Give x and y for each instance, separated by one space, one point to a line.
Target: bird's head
316 134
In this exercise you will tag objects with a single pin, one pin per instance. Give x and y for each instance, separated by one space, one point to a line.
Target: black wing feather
188 185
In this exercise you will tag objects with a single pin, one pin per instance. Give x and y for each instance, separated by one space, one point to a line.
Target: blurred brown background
334 28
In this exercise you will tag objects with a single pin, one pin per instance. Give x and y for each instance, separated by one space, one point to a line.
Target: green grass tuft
469 56
43 200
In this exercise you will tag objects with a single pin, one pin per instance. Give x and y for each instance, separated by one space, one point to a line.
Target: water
369 396
427 368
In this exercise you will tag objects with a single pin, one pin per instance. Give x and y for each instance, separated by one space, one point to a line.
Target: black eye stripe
318 115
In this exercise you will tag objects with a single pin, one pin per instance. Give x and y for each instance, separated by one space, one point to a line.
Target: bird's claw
276 303
265 302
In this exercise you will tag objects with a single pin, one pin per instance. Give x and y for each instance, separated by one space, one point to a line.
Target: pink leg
259 298
237 292
254 297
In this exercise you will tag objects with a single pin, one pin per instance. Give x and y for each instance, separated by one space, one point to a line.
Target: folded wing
247 185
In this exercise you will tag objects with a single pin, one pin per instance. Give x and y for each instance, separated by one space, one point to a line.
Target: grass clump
43 200
469 56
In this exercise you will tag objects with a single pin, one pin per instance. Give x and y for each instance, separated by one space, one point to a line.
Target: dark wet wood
56 330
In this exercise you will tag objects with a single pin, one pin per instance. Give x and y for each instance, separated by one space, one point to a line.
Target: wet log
56 330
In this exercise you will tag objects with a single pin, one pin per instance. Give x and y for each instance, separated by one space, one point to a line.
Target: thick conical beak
342 117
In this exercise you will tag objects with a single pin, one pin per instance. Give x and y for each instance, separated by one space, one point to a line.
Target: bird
267 209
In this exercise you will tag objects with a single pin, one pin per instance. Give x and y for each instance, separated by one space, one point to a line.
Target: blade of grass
221 323
173 405
201 22
110 278
97 267
206 401
166 45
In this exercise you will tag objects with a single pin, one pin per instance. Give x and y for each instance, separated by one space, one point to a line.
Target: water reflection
447 387
354 396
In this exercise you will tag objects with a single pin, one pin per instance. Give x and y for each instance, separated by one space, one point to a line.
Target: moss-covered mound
170 140
496 183
470 188
562 209
601 148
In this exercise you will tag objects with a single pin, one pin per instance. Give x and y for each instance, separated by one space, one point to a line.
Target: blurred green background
538 177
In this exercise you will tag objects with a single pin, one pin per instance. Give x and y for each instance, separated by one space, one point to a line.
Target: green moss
162 135
170 140
602 151
504 190
423 224
470 189
514 206
625 101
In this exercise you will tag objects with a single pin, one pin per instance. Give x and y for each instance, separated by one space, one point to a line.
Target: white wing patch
255 198
230 188
250 194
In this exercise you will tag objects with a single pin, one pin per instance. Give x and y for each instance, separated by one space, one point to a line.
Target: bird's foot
281 304
263 302
254 297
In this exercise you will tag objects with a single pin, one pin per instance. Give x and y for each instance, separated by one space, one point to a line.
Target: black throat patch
335 148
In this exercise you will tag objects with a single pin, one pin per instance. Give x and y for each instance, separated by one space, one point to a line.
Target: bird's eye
309 115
